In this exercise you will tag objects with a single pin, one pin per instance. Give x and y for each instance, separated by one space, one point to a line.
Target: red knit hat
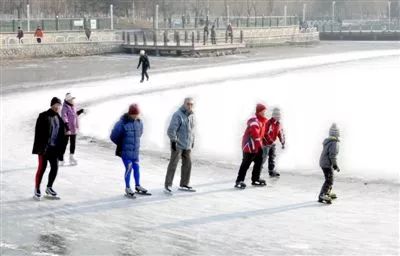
134 109
260 107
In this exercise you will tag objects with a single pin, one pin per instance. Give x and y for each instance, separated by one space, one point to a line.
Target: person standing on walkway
20 35
229 32
181 132
48 145
144 61
39 34
70 118
213 35
205 34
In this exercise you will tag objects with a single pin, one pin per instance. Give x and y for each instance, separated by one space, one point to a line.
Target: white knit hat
276 113
334 131
68 97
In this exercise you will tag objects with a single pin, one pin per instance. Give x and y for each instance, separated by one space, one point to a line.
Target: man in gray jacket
328 163
181 134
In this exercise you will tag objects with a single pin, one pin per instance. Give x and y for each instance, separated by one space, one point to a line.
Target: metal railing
55 24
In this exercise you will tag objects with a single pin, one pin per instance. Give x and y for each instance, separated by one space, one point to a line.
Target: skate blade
52 197
168 192
241 188
259 185
274 176
143 194
37 198
187 190
324 201
130 197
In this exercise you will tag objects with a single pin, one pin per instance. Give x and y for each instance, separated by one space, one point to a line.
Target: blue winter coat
126 135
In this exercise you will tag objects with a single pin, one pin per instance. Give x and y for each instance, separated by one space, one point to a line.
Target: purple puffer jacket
70 117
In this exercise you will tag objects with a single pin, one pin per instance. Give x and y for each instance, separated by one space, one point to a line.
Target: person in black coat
48 145
144 61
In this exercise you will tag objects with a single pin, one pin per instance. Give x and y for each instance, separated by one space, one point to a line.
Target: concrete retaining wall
361 35
10 39
60 49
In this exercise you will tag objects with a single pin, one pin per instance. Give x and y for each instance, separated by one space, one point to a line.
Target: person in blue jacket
126 135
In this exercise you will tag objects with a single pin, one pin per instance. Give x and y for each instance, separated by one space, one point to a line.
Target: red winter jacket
273 130
252 138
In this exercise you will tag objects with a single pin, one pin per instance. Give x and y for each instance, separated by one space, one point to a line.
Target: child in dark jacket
126 135
328 163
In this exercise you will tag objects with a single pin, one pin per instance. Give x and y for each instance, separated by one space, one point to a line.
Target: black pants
248 158
269 152
327 186
51 157
144 73
72 145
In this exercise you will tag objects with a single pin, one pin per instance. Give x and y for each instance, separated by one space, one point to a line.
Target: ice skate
72 160
168 190
259 183
51 194
129 193
37 194
187 188
240 185
325 199
142 191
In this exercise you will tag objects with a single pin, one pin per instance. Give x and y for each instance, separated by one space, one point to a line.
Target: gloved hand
283 146
336 168
173 145
80 111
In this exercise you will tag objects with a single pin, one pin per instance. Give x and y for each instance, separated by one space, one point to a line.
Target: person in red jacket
252 146
38 34
273 131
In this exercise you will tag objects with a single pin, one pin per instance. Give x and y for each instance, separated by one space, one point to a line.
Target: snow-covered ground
357 90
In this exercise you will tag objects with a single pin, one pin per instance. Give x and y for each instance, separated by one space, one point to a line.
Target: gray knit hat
334 131
276 113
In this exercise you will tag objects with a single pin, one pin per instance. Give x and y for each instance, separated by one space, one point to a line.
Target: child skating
328 163
252 149
273 131
126 135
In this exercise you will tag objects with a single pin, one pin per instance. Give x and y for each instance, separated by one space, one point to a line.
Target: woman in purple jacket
70 117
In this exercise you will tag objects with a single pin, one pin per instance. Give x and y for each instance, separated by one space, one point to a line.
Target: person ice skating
70 118
328 163
20 35
39 34
144 61
252 145
48 145
273 131
182 136
126 135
